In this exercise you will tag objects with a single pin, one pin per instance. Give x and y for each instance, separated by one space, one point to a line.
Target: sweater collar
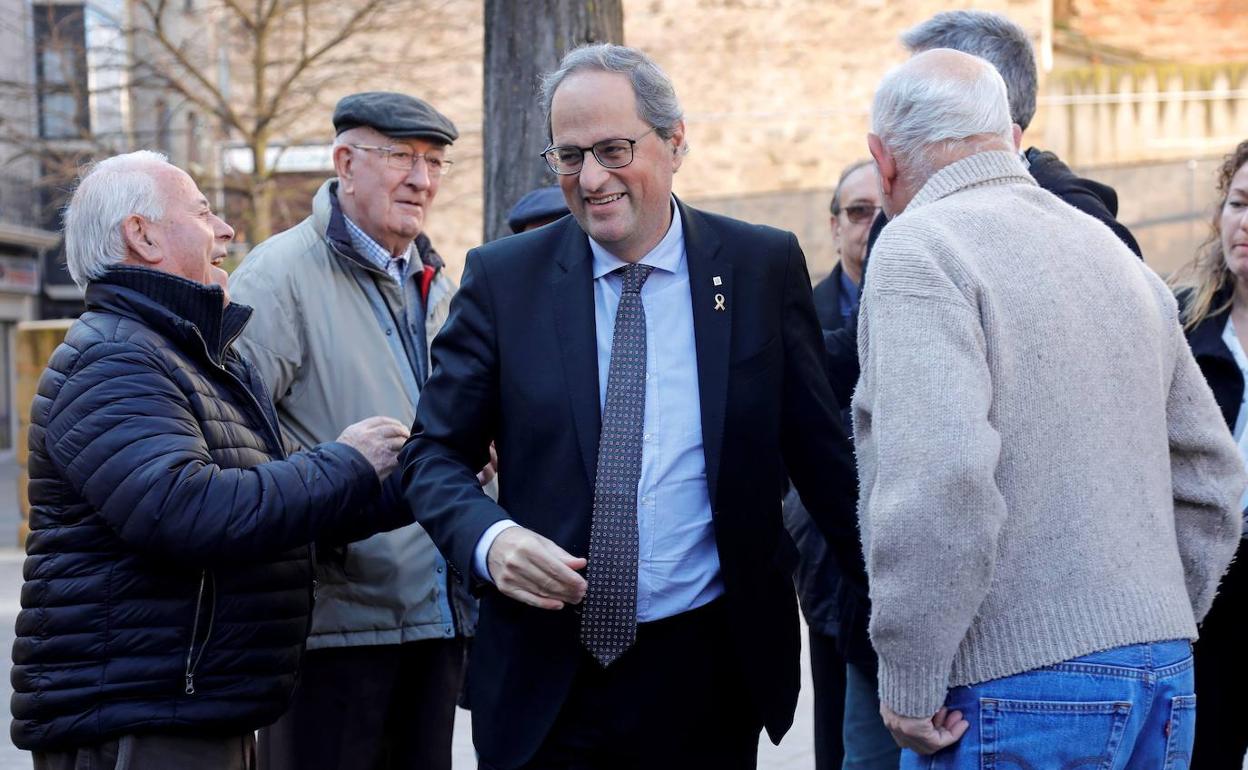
186 311
996 167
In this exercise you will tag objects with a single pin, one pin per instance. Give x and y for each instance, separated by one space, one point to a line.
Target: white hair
107 193
926 105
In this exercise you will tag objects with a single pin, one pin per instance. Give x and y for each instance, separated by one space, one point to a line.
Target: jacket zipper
193 660
275 436
274 433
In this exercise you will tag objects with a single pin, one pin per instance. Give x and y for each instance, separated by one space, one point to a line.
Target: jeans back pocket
1050 735
1180 732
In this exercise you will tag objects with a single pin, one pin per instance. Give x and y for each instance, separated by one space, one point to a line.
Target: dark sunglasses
860 213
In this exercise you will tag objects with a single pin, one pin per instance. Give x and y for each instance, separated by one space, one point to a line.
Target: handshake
379 439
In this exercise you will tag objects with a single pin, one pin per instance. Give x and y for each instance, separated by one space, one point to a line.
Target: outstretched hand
535 570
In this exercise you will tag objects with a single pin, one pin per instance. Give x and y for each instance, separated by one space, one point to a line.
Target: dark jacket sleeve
456 419
817 454
1092 198
122 433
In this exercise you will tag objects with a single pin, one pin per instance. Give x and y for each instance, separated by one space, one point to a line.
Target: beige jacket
317 342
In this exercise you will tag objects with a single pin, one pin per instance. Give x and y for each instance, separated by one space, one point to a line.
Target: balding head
935 109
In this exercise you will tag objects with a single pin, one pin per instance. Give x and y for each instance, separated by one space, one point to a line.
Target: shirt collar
370 249
667 255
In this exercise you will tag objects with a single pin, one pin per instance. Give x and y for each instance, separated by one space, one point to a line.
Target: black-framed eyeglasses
566 159
860 213
405 160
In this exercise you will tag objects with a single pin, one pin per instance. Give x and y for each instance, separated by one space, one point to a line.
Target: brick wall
1170 30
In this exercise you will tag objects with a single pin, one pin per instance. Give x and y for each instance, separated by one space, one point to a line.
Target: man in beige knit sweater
1049 493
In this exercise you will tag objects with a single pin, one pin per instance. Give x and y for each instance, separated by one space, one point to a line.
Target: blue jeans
1129 708
868 744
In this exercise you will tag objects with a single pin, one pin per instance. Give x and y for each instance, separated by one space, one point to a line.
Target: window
162 126
61 71
192 137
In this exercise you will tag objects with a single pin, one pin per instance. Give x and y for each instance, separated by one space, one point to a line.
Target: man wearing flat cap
537 208
346 304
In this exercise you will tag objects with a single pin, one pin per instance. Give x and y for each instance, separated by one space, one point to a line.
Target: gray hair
656 98
107 193
919 107
989 36
850 169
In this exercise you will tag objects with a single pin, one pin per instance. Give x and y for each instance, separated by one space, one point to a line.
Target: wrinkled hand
379 439
491 468
925 735
534 570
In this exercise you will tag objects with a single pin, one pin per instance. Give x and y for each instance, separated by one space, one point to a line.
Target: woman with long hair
1213 292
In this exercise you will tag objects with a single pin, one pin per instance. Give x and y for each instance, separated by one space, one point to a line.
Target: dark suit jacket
1215 359
516 363
840 337
827 295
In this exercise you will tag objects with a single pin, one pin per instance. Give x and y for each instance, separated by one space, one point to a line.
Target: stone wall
1100 115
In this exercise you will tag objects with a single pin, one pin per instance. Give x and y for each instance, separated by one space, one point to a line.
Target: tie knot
634 276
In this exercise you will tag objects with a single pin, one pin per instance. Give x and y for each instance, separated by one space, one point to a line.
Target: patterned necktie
609 619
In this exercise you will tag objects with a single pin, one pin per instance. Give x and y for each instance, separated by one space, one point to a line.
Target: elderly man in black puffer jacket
169 575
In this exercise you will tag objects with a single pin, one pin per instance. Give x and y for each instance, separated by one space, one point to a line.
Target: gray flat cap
397 115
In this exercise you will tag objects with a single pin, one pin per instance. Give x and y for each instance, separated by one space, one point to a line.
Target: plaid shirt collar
395 267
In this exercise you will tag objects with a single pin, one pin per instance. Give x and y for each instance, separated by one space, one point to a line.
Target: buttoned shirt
678 563
365 246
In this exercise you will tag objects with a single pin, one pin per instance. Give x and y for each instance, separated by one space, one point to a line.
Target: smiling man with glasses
346 303
645 369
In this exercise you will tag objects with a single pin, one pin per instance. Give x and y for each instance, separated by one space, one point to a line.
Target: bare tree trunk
523 41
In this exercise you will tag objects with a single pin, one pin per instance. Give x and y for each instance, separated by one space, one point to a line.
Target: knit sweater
1044 471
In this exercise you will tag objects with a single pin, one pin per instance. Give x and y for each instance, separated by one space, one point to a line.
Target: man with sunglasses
346 303
648 373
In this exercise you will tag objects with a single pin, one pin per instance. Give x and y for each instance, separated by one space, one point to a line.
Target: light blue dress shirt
678 562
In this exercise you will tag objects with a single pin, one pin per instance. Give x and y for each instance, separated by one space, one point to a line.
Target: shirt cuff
482 550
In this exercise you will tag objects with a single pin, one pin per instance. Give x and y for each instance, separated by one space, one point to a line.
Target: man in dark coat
648 372
169 574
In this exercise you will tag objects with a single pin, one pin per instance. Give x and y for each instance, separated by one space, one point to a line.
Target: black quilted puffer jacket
169 579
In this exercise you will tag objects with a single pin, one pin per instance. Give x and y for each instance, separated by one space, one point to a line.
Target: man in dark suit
648 372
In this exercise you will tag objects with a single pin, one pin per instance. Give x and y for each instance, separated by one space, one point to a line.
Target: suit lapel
710 287
573 288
